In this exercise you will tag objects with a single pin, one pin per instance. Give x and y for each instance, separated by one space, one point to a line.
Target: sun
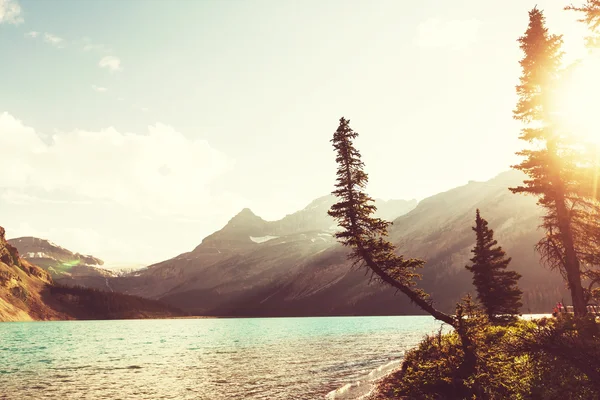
578 100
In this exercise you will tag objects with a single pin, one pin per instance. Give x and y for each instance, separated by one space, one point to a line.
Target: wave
362 388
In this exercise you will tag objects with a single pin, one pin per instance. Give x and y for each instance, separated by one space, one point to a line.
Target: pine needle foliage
496 286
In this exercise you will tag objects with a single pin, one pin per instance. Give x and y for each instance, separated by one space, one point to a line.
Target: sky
131 130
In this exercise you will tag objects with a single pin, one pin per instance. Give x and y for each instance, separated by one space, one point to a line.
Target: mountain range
28 292
64 266
295 267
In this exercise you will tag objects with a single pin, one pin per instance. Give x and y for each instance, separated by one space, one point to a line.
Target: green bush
546 359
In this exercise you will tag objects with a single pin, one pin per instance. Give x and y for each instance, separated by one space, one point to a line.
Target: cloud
49 38
110 62
53 40
453 34
161 172
10 12
99 89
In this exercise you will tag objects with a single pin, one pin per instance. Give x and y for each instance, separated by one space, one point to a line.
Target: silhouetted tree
497 288
363 233
588 215
365 236
591 12
551 164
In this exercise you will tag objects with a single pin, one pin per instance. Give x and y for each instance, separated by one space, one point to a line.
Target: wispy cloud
47 37
110 62
452 34
53 40
99 88
10 12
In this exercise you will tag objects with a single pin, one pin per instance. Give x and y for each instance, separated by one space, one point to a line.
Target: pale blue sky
243 98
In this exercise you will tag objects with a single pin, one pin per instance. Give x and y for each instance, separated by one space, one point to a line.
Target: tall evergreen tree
551 163
497 288
591 17
588 213
365 235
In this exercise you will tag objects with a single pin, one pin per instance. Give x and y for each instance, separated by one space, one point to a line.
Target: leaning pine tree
365 236
497 288
551 162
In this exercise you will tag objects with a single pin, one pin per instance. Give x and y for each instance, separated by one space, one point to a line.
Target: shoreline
370 386
383 387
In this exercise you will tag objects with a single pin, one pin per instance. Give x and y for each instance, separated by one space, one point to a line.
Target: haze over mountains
295 267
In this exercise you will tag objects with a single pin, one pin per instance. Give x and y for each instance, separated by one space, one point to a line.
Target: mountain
64 266
21 287
247 253
439 230
294 267
27 292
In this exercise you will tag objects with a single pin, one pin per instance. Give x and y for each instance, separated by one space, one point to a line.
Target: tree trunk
414 297
572 265
469 363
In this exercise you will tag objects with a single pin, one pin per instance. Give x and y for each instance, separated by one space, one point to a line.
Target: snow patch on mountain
262 239
55 245
38 254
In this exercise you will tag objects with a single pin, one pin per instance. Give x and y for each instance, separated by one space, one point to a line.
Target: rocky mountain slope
248 253
64 266
21 287
27 292
294 266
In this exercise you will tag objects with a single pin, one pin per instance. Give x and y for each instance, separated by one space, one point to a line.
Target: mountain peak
245 216
245 219
246 212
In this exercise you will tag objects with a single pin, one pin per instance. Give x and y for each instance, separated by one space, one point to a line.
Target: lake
254 358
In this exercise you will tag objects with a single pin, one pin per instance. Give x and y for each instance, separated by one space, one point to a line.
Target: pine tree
591 12
587 216
365 236
496 287
551 164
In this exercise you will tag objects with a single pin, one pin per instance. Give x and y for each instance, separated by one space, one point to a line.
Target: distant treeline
98 304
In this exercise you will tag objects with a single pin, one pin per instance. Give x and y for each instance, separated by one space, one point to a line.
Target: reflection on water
277 358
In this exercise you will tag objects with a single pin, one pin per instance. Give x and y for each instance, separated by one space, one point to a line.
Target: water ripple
278 358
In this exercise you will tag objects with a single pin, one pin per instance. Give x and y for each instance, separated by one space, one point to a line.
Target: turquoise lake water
263 358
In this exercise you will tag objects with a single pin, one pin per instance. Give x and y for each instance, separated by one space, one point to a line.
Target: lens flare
576 100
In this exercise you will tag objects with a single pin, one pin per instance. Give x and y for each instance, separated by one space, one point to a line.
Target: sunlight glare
578 97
